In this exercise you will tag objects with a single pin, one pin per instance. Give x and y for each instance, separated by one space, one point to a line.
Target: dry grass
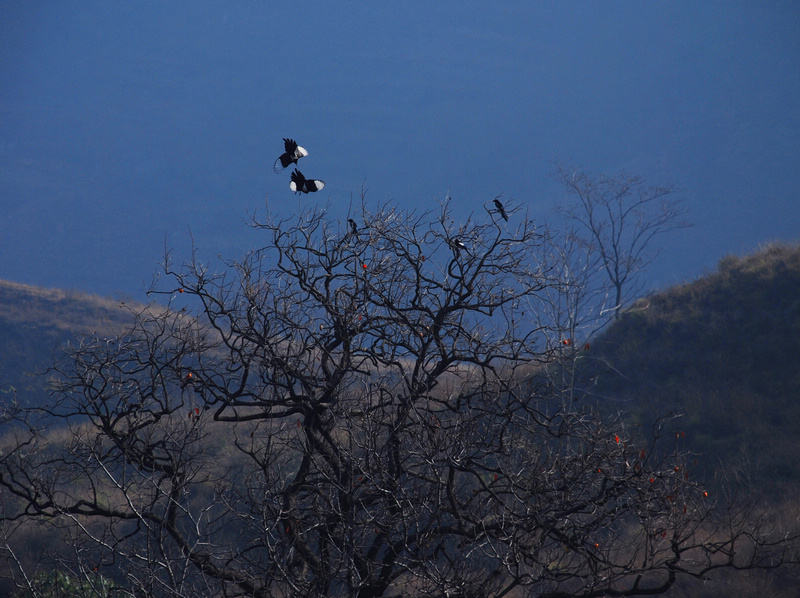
723 351
59 309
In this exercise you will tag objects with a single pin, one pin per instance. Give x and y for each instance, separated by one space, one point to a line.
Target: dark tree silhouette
340 415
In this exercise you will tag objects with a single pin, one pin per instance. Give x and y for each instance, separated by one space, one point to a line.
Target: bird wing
314 184
298 184
299 152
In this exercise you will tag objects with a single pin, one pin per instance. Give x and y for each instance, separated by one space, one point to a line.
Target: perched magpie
292 154
353 227
500 209
456 244
301 184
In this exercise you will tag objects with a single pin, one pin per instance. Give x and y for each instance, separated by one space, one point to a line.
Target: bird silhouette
353 226
500 209
456 244
301 184
292 154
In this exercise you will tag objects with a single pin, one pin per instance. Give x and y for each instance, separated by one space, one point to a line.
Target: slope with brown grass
35 322
725 351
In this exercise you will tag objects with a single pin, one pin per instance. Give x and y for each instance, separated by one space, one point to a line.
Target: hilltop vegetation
723 350
34 322
360 413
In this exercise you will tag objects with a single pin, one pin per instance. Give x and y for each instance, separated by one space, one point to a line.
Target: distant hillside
34 322
725 351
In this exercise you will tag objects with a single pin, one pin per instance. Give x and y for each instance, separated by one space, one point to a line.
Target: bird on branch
456 245
500 209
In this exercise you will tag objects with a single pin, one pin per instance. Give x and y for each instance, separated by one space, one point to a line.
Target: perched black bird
456 244
353 227
301 184
292 154
500 209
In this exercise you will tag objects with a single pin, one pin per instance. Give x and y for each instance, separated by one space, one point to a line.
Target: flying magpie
292 154
301 184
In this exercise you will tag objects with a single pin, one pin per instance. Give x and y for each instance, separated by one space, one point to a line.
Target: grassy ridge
34 322
725 351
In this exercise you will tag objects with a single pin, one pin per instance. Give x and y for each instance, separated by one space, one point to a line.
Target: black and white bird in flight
500 209
301 184
292 154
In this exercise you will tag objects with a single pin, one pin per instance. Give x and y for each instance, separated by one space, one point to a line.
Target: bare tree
616 219
575 309
359 411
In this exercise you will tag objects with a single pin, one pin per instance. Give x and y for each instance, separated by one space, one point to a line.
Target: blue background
126 127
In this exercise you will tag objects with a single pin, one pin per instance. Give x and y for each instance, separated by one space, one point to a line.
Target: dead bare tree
359 411
617 219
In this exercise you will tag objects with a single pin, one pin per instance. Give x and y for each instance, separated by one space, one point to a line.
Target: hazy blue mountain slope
725 351
35 322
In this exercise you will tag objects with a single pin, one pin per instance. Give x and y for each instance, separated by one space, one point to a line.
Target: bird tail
278 166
